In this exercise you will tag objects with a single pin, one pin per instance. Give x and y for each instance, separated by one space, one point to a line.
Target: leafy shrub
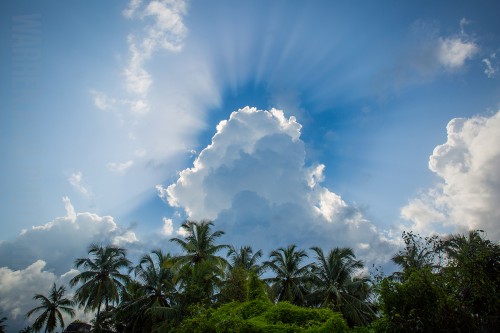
259 316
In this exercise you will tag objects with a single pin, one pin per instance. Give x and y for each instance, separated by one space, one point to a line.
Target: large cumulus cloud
468 193
254 182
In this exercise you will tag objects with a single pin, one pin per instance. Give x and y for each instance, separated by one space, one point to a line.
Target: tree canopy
443 284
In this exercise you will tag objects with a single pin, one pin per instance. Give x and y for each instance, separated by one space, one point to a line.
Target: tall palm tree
200 268
199 244
245 258
102 278
154 293
337 286
52 306
289 284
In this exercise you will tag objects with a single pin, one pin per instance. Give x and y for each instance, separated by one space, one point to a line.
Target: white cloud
248 127
70 210
44 254
132 8
120 168
491 69
463 23
61 240
138 80
422 212
453 52
125 239
430 53
469 192
30 281
102 101
139 107
168 227
76 180
253 181
186 91
17 288
165 30
181 232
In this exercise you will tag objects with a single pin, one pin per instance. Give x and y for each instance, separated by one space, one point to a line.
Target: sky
319 123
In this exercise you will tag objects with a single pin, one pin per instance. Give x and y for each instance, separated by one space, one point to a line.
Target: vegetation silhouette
445 284
52 308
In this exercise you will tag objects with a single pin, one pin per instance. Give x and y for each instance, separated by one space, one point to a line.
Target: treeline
445 285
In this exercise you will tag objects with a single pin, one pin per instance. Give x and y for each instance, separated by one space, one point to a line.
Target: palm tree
245 258
52 307
101 279
291 278
154 292
199 244
418 253
200 268
336 286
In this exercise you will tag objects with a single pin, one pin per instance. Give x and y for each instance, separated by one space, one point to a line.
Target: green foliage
445 285
287 313
263 316
254 308
256 289
335 324
234 288
473 279
198 284
415 305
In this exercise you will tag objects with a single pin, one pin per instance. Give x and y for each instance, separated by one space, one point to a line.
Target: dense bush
262 316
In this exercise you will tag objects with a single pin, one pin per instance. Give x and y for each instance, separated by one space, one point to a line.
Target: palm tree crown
337 286
290 280
155 289
245 258
52 306
200 268
156 277
199 244
101 279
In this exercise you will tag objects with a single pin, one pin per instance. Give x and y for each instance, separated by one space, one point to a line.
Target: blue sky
389 122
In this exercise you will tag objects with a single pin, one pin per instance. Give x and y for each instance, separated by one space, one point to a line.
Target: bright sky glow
310 122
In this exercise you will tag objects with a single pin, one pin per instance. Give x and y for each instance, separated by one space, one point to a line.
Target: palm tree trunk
97 317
